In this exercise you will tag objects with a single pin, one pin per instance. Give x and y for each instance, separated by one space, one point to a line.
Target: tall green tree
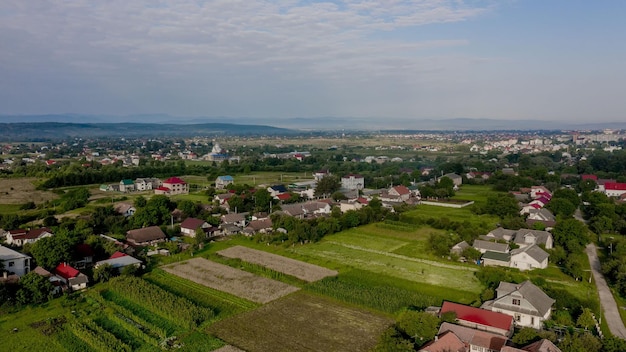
327 186
34 289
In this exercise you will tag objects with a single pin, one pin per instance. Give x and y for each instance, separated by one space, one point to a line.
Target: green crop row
165 327
179 310
222 303
382 297
98 338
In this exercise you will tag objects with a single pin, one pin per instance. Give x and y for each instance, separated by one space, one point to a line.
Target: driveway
609 307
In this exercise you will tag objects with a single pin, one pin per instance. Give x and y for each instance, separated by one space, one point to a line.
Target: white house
119 261
528 258
21 237
321 174
222 181
353 181
526 303
147 184
456 179
125 209
484 246
614 189
176 186
14 262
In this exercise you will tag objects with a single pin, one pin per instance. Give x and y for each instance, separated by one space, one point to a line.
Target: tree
580 342
471 253
140 202
571 234
262 200
104 273
327 185
613 344
50 251
585 320
200 236
338 196
525 336
421 326
34 288
502 205
561 207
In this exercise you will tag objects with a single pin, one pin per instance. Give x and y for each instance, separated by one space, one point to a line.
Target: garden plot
302 322
234 281
301 270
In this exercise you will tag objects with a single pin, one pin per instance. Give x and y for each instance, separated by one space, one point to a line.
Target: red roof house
176 185
117 254
283 196
480 319
71 277
614 189
589 177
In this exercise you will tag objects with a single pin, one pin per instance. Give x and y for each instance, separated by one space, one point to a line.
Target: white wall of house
523 261
14 262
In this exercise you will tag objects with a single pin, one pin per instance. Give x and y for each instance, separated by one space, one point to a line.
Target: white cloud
166 47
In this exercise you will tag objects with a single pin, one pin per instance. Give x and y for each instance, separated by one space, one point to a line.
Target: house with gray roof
526 303
490 258
484 246
528 258
459 247
521 237
527 237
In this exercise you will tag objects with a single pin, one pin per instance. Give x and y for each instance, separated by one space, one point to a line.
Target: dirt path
609 307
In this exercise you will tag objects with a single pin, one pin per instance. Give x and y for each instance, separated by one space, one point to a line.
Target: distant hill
163 124
41 131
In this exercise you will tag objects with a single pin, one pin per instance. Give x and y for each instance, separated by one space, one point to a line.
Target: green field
396 265
477 193
460 215
303 322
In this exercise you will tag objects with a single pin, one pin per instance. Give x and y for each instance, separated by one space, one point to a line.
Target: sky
556 60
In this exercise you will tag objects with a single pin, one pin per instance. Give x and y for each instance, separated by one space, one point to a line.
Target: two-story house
526 303
353 181
222 181
14 262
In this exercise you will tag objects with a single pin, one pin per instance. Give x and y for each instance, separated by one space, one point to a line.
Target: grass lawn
461 215
27 337
477 193
413 269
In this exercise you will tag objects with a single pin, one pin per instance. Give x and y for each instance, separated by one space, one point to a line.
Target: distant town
352 241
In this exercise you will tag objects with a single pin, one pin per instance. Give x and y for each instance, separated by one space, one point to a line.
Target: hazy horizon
407 60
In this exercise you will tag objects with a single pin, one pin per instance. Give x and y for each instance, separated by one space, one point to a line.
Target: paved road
611 312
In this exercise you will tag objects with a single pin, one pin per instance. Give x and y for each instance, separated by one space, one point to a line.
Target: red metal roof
117 255
478 316
615 186
66 271
283 196
174 180
589 177
161 188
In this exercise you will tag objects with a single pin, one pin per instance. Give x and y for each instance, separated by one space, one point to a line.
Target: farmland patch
392 264
224 278
301 270
302 322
